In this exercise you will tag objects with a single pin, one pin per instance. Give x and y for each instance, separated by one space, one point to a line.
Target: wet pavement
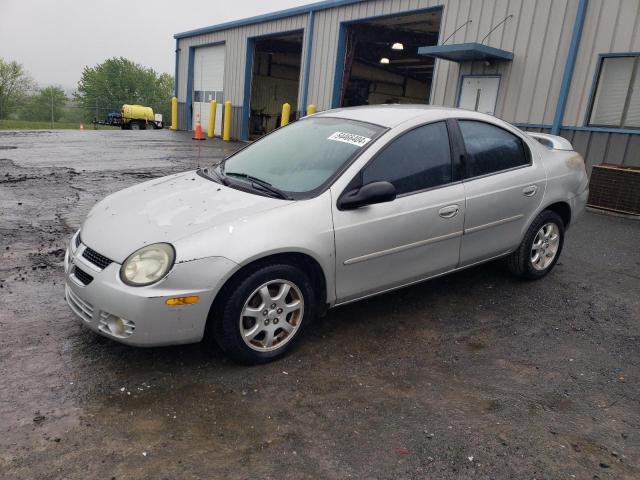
474 375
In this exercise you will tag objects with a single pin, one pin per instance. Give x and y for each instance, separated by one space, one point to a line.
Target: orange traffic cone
81 126
199 135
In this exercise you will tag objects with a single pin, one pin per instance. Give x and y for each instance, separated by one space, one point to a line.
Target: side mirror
374 192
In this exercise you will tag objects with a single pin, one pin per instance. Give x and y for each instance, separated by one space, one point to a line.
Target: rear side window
418 160
490 149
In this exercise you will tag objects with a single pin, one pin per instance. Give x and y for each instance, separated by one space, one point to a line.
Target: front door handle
449 211
530 191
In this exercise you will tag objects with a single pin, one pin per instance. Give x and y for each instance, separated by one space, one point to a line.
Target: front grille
83 276
95 258
83 309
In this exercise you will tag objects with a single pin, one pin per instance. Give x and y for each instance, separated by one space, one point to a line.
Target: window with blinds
617 100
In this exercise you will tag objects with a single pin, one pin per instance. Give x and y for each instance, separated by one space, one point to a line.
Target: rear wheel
262 316
134 125
540 248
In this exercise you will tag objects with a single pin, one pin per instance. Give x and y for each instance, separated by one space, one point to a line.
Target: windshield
302 156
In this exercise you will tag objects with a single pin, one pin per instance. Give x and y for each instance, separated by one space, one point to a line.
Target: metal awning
466 52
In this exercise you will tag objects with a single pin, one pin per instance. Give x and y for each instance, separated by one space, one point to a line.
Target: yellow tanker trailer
138 117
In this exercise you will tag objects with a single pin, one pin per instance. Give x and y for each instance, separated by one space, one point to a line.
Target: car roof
393 115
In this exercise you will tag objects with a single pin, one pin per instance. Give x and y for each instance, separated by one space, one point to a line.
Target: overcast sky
55 39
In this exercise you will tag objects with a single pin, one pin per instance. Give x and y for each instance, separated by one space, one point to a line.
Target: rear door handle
530 191
449 211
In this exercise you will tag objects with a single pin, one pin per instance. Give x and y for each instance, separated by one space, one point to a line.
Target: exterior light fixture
397 46
384 60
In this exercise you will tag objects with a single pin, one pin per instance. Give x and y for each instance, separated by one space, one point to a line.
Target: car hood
165 210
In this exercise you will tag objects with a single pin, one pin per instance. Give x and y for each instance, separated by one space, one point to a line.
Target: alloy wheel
545 246
272 315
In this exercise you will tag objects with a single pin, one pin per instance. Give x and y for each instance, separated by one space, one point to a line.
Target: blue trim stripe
175 75
290 12
339 72
246 102
302 104
579 129
569 66
188 100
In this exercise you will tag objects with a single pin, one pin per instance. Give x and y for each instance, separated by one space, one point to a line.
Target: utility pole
51 95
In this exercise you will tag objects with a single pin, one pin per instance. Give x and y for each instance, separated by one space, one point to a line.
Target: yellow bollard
226 133
212 118
311 109
174 113
286 112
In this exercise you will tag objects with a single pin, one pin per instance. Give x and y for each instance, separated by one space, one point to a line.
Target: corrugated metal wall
529 86
235 50
538 34
610 26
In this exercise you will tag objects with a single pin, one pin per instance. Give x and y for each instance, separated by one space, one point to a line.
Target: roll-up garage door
208 84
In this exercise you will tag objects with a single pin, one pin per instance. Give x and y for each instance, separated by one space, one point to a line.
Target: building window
617 100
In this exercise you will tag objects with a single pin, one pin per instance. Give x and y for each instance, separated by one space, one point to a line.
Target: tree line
102 88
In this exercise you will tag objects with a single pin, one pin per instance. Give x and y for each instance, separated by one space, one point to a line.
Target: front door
417 235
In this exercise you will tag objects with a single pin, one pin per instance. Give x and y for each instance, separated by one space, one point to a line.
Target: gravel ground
474 375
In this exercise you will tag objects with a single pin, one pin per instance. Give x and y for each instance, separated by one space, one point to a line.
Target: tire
134 126
540 247
273 325
149 126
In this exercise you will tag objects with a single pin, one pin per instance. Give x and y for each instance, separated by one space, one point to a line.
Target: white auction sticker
352 138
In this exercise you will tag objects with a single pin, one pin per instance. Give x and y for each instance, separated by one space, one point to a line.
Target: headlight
147 265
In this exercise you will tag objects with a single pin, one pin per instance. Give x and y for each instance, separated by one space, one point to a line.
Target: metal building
566 66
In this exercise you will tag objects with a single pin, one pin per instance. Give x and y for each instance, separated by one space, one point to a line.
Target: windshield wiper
260 184
218 176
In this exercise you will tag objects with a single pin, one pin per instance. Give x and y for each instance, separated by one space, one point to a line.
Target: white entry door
208 84
479 93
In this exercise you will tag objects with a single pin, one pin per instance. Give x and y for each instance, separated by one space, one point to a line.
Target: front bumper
146 319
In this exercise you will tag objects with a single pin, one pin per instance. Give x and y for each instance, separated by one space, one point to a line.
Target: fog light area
116 326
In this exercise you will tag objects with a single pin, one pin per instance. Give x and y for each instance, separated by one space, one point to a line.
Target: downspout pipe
567 76
302 107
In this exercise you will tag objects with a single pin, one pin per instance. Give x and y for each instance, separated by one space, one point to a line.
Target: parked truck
138 117
133 117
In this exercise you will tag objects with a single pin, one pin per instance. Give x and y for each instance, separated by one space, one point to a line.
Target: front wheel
263 315
540 248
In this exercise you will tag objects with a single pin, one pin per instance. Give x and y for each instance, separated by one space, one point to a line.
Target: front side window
418 160
490 149
617 100
302 156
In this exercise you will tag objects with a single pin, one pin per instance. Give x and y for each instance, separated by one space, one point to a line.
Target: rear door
503 185
386 245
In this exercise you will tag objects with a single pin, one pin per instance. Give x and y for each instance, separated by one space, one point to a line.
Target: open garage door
275 80
208 84
382 64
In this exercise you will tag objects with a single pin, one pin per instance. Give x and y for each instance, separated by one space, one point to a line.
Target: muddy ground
476 375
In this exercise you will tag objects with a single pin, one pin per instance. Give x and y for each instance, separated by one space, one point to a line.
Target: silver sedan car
331 209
